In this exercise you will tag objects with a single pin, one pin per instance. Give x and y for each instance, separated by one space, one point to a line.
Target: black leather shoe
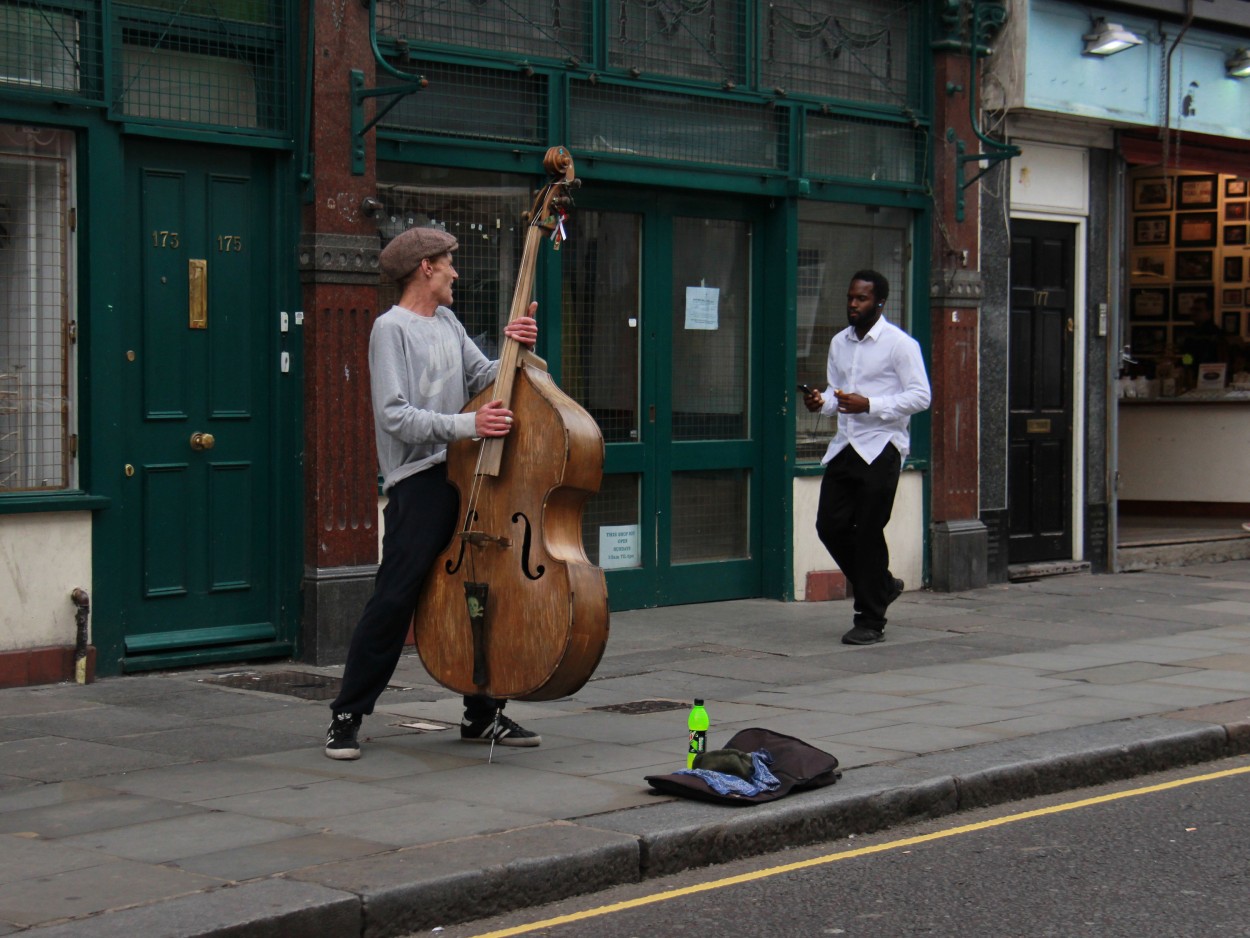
863 635
896 590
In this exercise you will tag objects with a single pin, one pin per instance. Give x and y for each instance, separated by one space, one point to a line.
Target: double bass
512 607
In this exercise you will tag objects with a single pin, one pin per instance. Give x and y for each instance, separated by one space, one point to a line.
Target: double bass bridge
481 539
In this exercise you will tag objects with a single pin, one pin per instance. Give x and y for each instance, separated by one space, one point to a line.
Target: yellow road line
852 854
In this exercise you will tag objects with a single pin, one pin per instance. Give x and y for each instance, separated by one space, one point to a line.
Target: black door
1039 463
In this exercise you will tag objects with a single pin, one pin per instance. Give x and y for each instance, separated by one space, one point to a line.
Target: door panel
198 510
662 300
1039 495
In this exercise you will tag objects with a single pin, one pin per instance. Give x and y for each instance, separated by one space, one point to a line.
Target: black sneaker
502 730
863 635
341 740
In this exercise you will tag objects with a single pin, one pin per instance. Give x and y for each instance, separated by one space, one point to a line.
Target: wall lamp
1239 65
1109 38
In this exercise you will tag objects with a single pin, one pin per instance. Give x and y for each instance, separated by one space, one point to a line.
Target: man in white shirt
877 380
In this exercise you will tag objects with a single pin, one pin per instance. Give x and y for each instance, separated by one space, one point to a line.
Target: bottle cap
698 702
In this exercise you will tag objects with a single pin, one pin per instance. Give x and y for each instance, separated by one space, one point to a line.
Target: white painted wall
43 557
1175 452
904 534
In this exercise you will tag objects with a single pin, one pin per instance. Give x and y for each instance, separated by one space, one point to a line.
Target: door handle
202 441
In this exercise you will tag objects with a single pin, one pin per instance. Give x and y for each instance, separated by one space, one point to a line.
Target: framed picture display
1152 266
1234 234
1148 340
1233 267
1152 229
1196 229
1185 300
1196 191
1235 211
1230 296
1152 194
1236 188
1231 323
1149 302
1194 265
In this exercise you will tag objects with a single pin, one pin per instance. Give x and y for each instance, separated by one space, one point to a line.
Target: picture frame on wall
1234 234
1194 265
1152 194
1237 187
1230 297
1196 229
1148 340
1196 191
1152 266
1149 302
1231 323
1235 211
1152 229
1233 269
1184 299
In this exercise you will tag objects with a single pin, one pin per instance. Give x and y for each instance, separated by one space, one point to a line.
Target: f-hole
453 567
525 548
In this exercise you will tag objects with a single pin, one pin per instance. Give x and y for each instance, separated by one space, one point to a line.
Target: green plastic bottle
697 721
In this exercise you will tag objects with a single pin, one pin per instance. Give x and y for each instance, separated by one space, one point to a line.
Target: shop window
36 357
553 29
679 39
834 242
1189 284
39 48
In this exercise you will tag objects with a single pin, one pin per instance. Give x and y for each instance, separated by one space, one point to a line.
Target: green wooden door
661 336
198 539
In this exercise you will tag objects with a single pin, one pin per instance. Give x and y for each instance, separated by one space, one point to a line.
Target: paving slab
172 804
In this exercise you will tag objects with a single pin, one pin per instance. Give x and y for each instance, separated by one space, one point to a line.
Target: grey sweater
422 371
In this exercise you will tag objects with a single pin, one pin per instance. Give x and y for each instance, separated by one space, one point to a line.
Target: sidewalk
200 803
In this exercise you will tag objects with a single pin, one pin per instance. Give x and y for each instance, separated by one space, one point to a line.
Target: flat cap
401 257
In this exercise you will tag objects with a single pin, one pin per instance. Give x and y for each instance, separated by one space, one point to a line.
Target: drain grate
645 706
291 683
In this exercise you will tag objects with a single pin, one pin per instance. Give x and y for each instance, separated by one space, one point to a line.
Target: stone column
959 539
339 248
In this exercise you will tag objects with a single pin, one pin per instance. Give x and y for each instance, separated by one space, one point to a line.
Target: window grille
42 48
607 119
215 63
35 262
555 29
834 242
690 39
483 211
711 515
472 103
613 515
840 49
865 150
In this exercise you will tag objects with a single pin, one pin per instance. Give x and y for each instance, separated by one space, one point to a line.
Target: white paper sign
702 307
618 546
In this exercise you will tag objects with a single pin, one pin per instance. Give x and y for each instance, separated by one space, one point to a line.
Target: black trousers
856 500
420 516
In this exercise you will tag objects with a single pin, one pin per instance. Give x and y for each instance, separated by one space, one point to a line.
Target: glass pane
39 49
679 38
602 274
483 211
711 328
555 29
711 515
610 523
834 242
35 406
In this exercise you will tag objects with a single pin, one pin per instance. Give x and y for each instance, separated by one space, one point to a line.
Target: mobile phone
806 388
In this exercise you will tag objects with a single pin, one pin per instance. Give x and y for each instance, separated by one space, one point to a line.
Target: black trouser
420 516
856 500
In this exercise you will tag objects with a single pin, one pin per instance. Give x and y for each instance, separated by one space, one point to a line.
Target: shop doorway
194 525
660 343
1040 406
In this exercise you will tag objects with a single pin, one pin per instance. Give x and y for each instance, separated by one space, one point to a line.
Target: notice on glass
618 546
702 307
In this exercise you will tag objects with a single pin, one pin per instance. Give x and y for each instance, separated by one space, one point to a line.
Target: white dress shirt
887 368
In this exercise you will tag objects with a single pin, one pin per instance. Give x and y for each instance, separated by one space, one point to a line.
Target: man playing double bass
423 368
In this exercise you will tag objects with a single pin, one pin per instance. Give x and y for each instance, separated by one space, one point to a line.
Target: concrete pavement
199 803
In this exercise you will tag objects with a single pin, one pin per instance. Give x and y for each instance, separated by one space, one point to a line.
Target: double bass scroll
513 608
